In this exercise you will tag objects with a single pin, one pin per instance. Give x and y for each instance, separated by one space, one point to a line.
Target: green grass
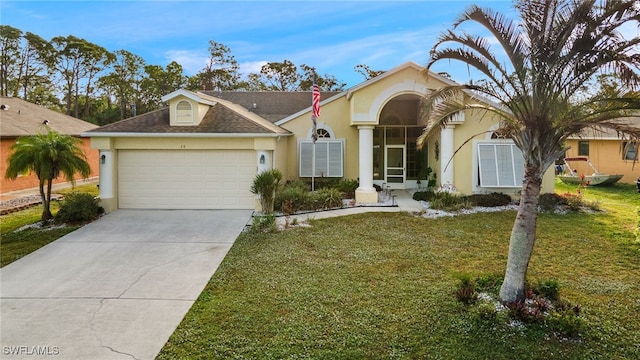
16 244
381 286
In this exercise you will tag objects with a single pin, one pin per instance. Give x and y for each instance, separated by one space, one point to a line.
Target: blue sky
332 36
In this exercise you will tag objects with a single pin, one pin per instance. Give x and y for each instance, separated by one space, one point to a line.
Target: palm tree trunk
523 237
46 201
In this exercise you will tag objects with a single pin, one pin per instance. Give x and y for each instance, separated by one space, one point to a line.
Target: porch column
366 193
446 155
107 166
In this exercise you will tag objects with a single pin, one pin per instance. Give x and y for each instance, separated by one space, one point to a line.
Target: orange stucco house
21 118
609 152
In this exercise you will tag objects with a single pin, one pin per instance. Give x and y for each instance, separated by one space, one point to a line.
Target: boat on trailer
571 176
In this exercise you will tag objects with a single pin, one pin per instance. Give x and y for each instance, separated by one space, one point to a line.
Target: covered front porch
389 156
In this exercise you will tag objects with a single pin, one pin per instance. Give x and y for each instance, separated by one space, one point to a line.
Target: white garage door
186 179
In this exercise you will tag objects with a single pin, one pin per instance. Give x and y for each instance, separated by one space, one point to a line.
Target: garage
186 179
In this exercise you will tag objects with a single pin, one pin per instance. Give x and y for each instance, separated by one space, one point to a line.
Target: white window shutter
501 165
329 158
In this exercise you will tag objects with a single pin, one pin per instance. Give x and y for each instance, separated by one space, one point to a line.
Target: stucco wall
334 115
31 181
606 156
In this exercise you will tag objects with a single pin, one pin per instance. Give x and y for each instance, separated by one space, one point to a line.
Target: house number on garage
183 146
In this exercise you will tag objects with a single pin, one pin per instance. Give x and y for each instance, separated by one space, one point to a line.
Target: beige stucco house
204 150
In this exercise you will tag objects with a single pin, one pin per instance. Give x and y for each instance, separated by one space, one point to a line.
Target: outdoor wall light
262 159
103 159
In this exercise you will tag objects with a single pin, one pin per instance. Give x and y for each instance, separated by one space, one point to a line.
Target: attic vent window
184 112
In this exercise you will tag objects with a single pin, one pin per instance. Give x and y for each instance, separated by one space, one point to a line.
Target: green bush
298 197
549 289
78 207
549 201
466 292
449 202
325 199
424 195
266 184
348 187
264 223
489 200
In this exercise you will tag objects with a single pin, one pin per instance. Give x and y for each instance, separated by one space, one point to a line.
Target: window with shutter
329 160
184 112
501 165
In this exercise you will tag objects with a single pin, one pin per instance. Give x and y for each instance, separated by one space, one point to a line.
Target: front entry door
394 169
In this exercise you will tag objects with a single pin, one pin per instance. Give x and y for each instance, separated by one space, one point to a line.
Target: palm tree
47 155
551 52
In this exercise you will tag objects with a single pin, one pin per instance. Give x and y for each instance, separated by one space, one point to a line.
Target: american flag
315 102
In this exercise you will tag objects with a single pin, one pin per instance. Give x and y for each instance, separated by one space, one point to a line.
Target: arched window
184 112
323 134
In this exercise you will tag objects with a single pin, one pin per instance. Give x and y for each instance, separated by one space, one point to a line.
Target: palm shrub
266 184
48 156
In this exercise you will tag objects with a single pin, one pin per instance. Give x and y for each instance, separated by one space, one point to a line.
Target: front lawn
381 285
15 244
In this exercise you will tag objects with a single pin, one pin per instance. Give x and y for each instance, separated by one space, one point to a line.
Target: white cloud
192 61
251 67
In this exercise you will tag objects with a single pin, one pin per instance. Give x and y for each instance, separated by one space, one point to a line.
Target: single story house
22 118
608 152
204 150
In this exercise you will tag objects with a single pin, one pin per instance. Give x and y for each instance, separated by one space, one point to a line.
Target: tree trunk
46 200
523 237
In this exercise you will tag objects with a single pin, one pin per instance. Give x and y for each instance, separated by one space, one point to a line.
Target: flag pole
313 155
315 112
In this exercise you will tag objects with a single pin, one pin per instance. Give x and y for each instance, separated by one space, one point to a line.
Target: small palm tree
551 53
266 184
47 155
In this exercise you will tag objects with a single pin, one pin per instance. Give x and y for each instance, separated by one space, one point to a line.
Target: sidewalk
398 201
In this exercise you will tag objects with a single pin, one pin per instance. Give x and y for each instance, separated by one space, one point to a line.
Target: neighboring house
21 118
204 150
608 152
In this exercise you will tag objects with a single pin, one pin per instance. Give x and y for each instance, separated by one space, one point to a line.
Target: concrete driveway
116 288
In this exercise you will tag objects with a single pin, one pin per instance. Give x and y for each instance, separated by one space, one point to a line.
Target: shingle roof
270 105
218 119
22 118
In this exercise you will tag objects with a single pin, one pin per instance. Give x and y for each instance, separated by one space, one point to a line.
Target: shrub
489 200
573 201
466 292
424 195
299 184
266 184
348 187
78 207
449 202
325 199
550 201
297 196
264 223
549 289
